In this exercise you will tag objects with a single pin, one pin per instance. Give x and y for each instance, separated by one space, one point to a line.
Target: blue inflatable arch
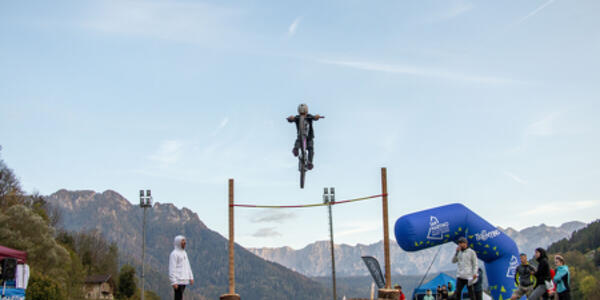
444 224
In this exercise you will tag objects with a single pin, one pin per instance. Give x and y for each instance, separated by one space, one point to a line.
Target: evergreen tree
127 282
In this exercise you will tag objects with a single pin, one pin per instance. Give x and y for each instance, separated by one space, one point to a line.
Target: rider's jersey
309 119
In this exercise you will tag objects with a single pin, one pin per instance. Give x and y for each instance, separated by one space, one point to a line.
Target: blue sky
491 104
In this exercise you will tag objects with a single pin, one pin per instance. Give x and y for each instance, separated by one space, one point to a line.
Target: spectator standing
542 275
466 261
524 278
444 293
180 272
399 288
450 289
428 295
562 279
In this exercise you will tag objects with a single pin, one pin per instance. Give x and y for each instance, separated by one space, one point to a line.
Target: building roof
6 252
100 278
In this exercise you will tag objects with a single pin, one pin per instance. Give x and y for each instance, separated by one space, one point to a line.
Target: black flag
375 270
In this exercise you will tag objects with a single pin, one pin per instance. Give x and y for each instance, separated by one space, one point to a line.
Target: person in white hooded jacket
466 260
180 272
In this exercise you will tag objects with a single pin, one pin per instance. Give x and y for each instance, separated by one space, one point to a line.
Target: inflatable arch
444 224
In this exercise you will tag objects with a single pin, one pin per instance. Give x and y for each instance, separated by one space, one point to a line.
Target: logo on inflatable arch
484 235
437 229
512 267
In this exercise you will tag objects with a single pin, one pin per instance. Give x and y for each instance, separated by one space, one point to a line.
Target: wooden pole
387 292
231 295
386 239
231 244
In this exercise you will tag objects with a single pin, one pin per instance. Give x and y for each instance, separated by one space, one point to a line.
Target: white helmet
302 109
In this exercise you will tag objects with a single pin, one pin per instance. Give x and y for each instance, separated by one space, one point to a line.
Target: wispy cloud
192 22
357 227
294 26
543 127
266 232
168 152
272 216
557 208
419 71
221 125
456 10
515 177
533 13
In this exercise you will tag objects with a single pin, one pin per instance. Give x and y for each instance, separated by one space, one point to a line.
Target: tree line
581 252
59 260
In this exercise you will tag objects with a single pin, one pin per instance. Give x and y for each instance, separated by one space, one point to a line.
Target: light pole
145 202
329 198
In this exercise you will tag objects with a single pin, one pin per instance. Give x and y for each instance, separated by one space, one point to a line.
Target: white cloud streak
515 177
168 152
294 26
272 216
543 127
451 13
221 125
559 208
266 232
190 22
419 71
355 228
533 13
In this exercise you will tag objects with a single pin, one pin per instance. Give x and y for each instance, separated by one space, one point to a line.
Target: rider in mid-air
303 111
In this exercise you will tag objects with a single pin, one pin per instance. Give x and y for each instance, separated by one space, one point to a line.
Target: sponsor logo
484 235
437 229
512 267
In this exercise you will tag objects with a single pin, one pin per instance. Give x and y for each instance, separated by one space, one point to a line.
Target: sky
490 104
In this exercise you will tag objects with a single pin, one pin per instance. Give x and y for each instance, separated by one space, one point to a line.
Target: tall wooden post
231 295
387 292
386 237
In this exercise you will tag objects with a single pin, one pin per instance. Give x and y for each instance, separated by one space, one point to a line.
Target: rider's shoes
295 151
310 166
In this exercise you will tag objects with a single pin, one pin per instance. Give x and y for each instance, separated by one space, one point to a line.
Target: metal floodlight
145 202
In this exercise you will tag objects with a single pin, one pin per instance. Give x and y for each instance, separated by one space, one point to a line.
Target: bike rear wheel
302 172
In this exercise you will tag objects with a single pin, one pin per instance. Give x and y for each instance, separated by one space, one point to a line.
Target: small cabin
98 287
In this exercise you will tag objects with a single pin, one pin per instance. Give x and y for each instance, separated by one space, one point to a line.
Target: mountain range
314 259
261 273
121 222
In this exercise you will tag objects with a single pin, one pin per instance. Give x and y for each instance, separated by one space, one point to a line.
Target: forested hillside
59 260
582 254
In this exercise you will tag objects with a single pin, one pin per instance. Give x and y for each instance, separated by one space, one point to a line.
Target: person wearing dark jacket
542 274
524 279
303 113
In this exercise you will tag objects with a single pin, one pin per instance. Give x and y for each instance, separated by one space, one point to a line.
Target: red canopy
6 252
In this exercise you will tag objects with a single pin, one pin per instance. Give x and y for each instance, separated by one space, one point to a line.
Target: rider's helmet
302 109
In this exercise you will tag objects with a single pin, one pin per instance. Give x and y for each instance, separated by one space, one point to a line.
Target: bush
41 287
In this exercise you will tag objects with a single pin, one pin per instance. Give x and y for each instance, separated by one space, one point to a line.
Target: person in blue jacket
562 278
